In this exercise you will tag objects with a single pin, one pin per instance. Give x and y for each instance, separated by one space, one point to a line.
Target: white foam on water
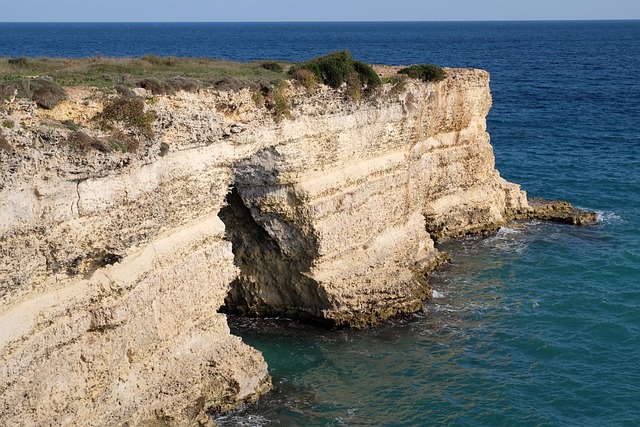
435 294
608 217
506 231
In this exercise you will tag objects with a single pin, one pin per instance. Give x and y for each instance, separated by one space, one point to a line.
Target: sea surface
538 325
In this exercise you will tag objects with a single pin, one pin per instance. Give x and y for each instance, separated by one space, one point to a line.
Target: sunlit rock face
113 266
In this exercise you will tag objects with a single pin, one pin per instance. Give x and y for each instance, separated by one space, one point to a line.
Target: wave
436 294
608 217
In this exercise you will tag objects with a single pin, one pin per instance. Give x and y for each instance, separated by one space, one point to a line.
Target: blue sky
314 10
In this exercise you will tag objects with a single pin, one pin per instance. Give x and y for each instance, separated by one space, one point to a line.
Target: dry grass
109 72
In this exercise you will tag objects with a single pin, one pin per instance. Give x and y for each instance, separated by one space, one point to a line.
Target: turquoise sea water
538 325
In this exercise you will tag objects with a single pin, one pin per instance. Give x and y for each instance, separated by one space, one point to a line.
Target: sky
312 10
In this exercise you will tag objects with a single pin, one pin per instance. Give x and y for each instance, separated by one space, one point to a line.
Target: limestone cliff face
351 197
113 266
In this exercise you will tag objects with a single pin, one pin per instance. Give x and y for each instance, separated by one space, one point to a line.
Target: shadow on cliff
270 283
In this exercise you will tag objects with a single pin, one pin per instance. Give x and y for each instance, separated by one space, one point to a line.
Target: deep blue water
535 326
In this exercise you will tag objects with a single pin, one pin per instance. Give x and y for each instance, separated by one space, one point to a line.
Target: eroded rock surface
113 265
559 211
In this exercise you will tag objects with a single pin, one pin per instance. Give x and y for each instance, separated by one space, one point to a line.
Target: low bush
305 77
46 93
185 84
231 84
282 108
367 75
335 69
130 112
331 69
120 141
164 87
425 72
272 66
80 142
154 86
16 87
124 91
154 59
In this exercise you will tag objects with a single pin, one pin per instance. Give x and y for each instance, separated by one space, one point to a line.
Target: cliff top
42 79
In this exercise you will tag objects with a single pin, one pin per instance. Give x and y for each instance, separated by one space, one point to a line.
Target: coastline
107 234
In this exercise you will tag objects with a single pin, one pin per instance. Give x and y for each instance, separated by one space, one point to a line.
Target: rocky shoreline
118 247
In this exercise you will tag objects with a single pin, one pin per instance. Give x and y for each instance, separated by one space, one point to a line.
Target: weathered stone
113 265
559 211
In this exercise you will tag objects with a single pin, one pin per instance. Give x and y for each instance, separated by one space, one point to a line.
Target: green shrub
158 60
170 61
124 91
425 72
272 66
130 112
367 75
117 145
334 69
331 69
9 124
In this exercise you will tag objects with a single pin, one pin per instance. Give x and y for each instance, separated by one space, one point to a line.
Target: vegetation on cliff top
337 68
42 90
42 79
109 72
425 72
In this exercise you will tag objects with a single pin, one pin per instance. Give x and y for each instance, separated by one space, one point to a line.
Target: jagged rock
559 211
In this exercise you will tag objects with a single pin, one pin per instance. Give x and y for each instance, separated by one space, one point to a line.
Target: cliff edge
120 243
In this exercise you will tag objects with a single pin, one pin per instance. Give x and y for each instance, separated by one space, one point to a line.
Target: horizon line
326 22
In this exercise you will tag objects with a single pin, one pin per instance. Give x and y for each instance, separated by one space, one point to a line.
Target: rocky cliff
114 265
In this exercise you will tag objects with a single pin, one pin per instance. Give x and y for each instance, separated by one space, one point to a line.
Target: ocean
537 325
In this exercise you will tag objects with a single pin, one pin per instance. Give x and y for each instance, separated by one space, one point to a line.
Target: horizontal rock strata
113 265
